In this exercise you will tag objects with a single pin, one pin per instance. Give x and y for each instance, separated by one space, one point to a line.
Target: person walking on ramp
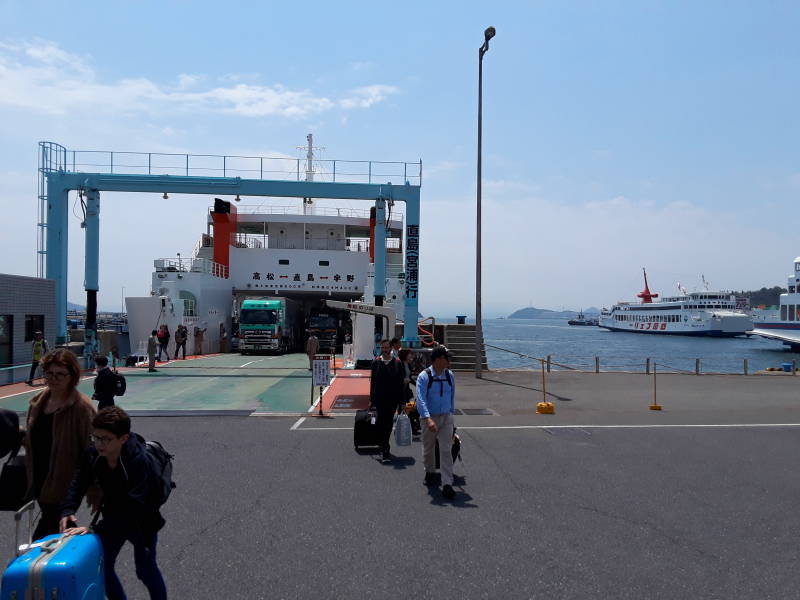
386 393
119 463
38 349
105 384
436 395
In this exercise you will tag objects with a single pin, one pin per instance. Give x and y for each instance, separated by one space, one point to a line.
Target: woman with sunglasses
59 424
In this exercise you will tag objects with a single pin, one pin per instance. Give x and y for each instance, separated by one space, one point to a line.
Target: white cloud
367 96
42 77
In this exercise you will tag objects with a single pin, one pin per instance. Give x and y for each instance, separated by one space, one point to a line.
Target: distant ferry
784 324
705 313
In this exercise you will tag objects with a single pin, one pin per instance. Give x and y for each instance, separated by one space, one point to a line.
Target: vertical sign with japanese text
412 261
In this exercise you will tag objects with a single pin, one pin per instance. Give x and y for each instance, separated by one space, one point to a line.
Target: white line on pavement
676 426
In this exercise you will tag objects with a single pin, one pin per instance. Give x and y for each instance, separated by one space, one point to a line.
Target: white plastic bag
402 431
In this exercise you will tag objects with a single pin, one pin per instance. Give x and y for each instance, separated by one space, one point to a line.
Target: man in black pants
386 393
105 384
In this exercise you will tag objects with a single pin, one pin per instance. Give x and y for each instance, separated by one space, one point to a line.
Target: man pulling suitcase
131 493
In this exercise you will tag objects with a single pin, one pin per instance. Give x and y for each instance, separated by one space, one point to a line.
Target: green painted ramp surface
216 383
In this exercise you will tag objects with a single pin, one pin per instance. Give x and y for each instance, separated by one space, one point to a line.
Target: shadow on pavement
528 387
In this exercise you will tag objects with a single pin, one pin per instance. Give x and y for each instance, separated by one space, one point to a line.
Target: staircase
460 341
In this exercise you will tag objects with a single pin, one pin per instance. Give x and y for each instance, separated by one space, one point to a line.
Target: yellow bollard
655 405
545 407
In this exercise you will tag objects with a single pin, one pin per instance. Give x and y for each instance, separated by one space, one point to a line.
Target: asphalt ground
604 499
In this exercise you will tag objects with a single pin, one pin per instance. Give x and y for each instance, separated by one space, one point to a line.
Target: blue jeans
144 555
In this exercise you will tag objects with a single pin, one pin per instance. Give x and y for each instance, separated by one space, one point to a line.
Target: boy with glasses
119 463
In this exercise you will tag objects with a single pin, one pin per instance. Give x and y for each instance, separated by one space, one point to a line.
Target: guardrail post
697 366
647 366
745 366
596 364
187 165
794 366
549 360
334 170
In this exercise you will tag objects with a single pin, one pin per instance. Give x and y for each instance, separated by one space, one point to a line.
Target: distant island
543 313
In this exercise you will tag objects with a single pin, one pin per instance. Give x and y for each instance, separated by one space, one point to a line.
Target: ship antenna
308 203
645 294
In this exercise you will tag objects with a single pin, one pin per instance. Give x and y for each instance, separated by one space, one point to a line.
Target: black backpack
119 384
161 464
430 377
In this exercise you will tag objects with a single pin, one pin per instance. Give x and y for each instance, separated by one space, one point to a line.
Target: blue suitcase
55 567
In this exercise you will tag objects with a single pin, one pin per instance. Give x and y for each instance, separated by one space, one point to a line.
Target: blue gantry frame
58 182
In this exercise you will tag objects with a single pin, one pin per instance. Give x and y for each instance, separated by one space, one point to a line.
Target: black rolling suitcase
365 429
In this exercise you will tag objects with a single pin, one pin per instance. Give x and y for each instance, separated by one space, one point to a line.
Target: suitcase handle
29 508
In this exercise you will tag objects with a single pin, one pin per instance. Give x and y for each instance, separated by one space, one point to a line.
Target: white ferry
705 313
302 252
784 324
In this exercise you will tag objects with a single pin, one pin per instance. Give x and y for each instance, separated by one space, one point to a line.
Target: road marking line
297 424
719 425
37 389
249 363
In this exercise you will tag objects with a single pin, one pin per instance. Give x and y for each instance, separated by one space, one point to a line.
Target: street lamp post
487 35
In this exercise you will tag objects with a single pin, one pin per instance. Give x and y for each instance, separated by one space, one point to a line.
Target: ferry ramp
223 383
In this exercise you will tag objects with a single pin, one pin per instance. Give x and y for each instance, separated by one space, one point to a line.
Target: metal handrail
215 165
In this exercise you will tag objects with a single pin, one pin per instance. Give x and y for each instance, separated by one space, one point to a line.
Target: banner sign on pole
321 369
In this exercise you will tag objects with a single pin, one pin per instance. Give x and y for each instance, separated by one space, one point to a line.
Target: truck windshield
258 316
323 322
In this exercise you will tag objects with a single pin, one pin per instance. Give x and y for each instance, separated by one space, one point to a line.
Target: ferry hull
704 333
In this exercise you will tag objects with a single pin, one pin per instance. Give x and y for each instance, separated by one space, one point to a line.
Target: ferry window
791 289
324 263
791 312
6 338
189 303
283 261
33 323
783 312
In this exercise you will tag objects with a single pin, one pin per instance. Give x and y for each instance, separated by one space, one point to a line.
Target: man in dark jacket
386 393
119 463
105 384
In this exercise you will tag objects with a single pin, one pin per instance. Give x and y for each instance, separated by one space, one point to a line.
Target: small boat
582 320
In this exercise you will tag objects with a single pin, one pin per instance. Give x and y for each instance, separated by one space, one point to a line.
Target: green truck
269 325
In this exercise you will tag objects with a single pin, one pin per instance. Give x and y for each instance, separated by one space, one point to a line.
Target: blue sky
617 135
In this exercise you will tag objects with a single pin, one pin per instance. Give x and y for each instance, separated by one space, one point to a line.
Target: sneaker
29 382
448 492
431 480
152 371
386 458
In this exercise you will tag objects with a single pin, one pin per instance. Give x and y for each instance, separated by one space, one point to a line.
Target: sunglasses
56 375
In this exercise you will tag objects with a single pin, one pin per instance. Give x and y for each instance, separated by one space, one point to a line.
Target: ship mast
308 203
645 294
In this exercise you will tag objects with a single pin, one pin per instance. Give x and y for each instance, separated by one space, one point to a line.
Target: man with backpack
133 491
436 394
105 384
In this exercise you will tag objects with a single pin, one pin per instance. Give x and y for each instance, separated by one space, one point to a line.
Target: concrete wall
20 296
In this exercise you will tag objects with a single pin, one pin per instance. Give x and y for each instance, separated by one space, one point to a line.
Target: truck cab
265 326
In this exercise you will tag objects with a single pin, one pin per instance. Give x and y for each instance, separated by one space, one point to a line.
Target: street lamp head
489 33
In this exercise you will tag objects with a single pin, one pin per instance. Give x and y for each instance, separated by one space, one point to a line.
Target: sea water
577 347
